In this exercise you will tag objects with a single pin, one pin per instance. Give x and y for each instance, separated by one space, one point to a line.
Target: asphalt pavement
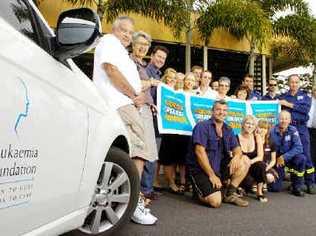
284 214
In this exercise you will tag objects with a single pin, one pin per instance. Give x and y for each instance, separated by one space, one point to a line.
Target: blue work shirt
302 104
254 95
268 97
289 144
204 134
155 73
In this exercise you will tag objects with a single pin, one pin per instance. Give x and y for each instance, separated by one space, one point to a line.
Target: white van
63 150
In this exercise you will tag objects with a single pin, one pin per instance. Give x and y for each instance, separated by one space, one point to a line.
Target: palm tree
274 7
251 19
299 27
304 38
206 15
241 18
302 35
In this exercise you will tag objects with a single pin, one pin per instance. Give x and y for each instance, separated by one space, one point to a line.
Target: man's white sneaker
142 215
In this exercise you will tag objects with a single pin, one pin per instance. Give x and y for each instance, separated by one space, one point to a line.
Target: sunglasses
273 85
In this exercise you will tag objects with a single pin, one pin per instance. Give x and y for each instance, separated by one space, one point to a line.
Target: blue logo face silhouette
23 114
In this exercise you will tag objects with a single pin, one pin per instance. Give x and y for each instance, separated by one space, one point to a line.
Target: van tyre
116 195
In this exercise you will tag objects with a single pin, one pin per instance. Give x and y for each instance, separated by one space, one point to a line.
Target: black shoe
303 188
298 192
311 189
159 188
195 196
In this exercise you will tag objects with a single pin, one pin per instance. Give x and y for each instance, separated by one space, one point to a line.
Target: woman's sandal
188 188
173 188
262 198
241 192
265 188
182 188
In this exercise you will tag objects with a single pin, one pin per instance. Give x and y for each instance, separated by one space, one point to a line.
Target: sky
312 6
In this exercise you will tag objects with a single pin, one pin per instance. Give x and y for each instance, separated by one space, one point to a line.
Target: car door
44 126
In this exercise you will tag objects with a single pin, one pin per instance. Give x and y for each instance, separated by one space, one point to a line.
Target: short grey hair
285 112
224 79
143 34
118 21
292 76
220 102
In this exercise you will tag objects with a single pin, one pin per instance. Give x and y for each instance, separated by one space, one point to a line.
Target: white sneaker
142 215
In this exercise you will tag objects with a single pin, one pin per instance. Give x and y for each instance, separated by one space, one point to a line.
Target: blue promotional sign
266 110
179 112
237 110
173 118
201 108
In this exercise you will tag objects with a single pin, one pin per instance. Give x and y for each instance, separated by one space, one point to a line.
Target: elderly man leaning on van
116 76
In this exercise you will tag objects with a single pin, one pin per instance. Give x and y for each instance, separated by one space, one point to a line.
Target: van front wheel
116 194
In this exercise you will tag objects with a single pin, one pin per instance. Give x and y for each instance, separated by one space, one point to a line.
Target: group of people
218 165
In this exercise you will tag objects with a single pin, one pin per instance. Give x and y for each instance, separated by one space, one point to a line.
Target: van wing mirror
77 31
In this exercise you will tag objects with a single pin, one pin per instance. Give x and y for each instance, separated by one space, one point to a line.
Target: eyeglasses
224 85
272 85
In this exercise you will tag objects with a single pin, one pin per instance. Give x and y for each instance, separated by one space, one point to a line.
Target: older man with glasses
116 76
272 91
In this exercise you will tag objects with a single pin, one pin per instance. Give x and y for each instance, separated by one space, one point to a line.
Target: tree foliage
241 18
254 19
174 13
302 30
272 7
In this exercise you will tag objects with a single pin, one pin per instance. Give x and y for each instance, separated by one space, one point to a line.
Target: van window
17 14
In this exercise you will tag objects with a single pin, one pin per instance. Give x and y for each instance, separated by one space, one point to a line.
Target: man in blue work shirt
272 91
215 158
157 61
298 103
289 153
249 83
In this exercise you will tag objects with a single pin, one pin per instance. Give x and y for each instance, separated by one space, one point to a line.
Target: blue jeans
148 177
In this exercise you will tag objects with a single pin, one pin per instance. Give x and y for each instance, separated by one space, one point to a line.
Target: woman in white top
205 90
189 82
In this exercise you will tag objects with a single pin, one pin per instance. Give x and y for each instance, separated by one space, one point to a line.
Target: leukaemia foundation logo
19 159
24 113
